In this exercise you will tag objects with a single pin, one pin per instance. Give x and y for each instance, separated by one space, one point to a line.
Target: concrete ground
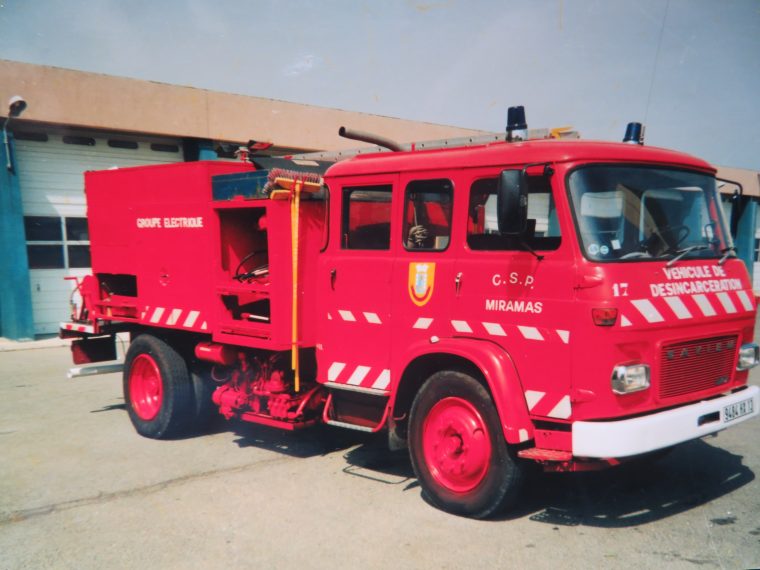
80 489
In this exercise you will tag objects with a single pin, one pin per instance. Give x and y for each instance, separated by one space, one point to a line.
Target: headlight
630 378
749 356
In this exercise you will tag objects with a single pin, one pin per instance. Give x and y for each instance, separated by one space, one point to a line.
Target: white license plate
737 410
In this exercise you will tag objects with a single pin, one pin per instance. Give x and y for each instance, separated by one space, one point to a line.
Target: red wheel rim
145 388
456 445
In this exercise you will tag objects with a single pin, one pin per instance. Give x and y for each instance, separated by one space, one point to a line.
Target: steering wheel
665 240
635 255
677 233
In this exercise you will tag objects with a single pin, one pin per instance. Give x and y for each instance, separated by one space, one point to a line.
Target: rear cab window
366 222
427 215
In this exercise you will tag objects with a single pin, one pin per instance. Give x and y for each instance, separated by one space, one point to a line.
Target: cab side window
483 228
366 217
427 215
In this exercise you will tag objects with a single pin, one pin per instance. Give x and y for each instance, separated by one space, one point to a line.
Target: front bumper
624 438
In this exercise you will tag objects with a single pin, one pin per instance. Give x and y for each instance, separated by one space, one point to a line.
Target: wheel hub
456 444
145 387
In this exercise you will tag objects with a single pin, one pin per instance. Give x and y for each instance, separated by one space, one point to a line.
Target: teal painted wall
198 149
206 150
16 319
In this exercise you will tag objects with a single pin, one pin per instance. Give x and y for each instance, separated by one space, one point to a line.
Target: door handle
333 275
458 283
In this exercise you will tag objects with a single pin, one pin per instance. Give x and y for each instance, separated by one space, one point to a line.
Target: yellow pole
294 222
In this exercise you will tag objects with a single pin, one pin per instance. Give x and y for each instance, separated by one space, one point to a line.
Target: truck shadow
634 494
693 474
110 408
309 442
631 495
366 454
374 461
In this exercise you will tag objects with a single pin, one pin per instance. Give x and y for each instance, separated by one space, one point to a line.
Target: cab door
423 281
519 292
354 283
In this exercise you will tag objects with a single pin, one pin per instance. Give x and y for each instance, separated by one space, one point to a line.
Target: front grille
696 365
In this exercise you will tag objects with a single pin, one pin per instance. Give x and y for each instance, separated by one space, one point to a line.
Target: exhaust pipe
369 138
81 371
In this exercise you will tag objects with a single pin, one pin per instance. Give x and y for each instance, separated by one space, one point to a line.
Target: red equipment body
613 324
158 236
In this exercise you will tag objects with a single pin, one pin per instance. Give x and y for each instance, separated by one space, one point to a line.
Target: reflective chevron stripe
684 307
361 376
172 317
548 404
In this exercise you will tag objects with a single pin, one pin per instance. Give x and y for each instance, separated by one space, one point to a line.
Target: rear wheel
458 449
158 389
203 390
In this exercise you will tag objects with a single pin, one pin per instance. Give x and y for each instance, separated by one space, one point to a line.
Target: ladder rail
456 142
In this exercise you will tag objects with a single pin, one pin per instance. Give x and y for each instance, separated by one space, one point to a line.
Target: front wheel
158 389
458 450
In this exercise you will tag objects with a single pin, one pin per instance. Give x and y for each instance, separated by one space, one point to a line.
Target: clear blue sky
689 69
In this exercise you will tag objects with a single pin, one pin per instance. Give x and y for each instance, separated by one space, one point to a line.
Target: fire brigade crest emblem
421 281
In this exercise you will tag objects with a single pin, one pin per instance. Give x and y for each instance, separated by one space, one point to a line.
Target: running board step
355 427
538 454
326 418
357 389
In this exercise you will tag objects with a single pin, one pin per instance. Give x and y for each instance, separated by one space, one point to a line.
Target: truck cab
587 291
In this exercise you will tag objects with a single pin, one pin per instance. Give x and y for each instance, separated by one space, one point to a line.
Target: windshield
644 213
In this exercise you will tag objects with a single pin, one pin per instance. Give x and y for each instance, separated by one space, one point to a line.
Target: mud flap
94 349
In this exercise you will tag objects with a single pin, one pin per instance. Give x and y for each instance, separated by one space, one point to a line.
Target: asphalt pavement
80 489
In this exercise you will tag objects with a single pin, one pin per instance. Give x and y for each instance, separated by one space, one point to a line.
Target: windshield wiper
681 252
726 252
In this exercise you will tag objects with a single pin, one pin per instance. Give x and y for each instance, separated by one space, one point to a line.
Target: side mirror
512 203
735 211
736 195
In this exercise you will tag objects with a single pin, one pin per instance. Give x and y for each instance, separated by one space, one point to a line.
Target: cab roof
505 154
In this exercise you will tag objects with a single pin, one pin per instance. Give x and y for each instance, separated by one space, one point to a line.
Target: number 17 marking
620 289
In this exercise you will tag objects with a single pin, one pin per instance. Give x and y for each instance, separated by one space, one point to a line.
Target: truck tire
203 389
158 389
458 450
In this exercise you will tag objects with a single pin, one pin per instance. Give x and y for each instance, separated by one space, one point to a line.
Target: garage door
50 166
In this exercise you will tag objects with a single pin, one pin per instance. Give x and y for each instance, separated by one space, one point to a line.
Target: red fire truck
568 303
